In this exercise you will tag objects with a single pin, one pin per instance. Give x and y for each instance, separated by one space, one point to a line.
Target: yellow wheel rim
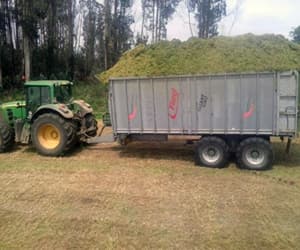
49 136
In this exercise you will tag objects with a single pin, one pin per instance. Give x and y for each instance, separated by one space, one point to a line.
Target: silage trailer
228 113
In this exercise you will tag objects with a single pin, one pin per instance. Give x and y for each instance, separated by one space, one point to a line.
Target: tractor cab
39 93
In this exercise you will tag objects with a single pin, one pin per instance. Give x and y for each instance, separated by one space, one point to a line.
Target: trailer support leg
288 146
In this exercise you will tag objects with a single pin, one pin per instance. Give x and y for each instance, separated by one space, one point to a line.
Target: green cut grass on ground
217 55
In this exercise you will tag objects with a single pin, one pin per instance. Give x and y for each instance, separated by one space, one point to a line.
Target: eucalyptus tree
295 34
208 13
155 17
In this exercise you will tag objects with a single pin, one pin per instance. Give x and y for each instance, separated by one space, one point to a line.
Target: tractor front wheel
7 137
52 135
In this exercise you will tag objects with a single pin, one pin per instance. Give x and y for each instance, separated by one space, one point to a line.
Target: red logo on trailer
173 104
250 112
132 115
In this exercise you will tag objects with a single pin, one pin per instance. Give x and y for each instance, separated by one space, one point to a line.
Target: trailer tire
254 153
7 137
212 151
73 139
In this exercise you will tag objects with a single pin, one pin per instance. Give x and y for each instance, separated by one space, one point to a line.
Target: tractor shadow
31 150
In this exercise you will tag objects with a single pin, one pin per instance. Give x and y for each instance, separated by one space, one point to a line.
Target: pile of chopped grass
198 56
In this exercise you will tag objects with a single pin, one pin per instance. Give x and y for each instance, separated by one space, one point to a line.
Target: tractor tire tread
65 125
7 139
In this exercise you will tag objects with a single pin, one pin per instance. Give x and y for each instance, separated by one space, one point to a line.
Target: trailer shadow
186 152
158 150
281 158
170 150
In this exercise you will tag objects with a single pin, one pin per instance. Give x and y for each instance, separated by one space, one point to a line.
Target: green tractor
49 118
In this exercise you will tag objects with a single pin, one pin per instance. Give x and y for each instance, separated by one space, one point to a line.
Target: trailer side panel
240 104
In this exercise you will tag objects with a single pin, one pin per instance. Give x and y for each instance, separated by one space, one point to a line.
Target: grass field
146 196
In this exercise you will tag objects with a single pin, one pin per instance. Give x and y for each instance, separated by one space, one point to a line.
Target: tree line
72 39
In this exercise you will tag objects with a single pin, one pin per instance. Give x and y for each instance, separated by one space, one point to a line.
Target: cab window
63 93
37 96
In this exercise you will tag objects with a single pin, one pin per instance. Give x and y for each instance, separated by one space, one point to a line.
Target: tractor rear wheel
7 137
53 135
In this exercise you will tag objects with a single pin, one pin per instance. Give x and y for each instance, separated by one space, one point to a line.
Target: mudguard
82 107
59 108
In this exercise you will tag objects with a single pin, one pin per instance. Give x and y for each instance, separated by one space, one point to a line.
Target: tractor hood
9 111
14 104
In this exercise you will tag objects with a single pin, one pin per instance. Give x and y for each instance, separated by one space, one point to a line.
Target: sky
245 16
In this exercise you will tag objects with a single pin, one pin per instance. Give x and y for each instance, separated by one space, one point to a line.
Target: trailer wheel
212 152
255 154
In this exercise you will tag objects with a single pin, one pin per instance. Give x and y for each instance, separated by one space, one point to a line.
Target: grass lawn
146 196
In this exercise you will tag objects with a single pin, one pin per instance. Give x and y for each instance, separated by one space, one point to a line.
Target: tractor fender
61 109
82 108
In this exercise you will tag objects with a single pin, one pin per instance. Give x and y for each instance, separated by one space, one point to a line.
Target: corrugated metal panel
250 103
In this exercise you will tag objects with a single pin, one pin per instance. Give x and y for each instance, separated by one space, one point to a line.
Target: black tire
91 123
254 153
212 151
7 137
72 135
53 135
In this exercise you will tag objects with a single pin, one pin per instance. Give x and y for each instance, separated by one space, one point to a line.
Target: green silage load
243 53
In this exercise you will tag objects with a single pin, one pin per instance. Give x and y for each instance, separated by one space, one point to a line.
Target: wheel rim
211 154
255 156
49 136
